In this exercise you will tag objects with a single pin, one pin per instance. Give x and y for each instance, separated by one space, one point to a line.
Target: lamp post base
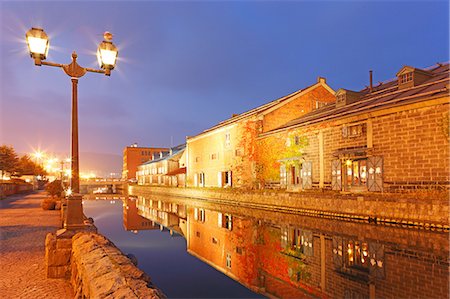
74 218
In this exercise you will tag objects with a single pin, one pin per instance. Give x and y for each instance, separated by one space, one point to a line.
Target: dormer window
409 77
406 78
345 97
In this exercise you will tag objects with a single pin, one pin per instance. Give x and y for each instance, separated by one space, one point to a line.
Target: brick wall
133 157
410 139
414 147
297 107
243 140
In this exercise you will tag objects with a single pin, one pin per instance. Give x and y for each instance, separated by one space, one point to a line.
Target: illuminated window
201 179
225 221
406 78
228 261
357 254
356 172
227 139
199 214
302 241
352 131
340 98
226 178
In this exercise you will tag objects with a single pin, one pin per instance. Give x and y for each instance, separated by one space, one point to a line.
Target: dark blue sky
185 66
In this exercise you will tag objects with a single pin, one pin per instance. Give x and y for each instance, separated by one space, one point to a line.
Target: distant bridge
101 182
109 185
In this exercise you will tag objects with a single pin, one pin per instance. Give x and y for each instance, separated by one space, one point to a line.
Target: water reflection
291 256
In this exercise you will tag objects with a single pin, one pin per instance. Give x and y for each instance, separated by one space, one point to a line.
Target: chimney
321 80
371 80
160 154
153 156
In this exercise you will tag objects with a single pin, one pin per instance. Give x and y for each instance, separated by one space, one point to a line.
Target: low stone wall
99 270
96 268
427 209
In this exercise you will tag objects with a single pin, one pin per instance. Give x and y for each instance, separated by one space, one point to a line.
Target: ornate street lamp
38 45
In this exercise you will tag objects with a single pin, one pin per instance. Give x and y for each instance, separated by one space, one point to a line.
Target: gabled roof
269 106
176 151
386 94
408 69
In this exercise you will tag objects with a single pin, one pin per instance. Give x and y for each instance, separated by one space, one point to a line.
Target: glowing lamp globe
38 44
107 56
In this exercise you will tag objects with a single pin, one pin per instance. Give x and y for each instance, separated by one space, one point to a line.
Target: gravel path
23 227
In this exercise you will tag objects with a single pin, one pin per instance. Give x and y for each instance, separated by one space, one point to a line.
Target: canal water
197 249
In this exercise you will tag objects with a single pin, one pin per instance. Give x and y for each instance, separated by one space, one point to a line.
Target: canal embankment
95 267
420 210
99 270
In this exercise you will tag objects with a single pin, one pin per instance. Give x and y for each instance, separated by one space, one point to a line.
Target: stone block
58 272
50 242
59 257
64 244
124 293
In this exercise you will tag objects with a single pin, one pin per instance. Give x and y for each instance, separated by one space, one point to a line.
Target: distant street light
38 45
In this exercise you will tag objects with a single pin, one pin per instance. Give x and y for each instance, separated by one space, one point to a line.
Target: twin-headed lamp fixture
38 45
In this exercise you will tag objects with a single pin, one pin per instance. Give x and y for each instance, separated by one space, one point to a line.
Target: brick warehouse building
389 137
133 156
223 156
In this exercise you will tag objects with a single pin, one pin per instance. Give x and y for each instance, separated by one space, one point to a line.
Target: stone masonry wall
412 141
415 147
99 270
391 208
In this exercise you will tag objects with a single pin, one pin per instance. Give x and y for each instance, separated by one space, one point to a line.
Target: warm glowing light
38 43
87 176
38 155
68 192
348 162
107 55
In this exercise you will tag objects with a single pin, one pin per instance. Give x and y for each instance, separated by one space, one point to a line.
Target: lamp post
38 45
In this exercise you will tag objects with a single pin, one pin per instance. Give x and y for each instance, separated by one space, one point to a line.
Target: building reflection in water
132 221
292 256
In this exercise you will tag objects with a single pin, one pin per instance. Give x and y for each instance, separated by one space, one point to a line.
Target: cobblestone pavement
23 227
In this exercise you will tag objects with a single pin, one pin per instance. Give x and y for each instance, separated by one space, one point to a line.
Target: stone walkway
23 227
